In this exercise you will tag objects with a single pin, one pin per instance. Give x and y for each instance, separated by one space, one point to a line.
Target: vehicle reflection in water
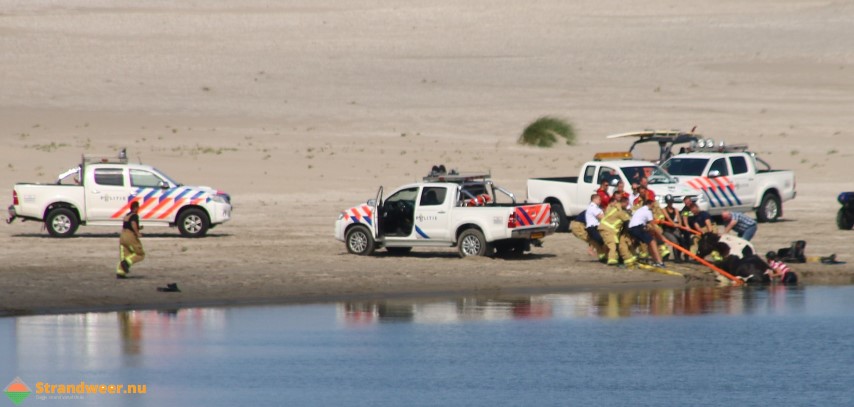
622 304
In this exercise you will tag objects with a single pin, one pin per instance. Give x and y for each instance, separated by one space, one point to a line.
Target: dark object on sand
170 288
845 216
793 253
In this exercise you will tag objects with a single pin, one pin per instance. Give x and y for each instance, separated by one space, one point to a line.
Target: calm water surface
693 347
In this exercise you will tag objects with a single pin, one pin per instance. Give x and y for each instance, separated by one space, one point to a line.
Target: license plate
538 235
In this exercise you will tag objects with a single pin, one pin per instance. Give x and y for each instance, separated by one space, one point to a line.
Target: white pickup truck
568 196
732 181
101 190
446 211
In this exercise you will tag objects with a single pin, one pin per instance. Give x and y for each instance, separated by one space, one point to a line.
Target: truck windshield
683 166
653 174
171 181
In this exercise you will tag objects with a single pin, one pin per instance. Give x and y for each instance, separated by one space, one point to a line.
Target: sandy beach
301 109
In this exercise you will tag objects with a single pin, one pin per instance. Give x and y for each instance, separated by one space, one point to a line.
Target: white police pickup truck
445 210
730 180
100 190
569 196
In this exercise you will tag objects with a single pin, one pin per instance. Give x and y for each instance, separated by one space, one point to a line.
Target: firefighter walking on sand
130 248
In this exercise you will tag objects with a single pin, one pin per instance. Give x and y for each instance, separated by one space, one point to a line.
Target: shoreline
653 282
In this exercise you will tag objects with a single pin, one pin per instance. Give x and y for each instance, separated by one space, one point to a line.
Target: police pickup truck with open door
729 178
568 196
445 210
100 190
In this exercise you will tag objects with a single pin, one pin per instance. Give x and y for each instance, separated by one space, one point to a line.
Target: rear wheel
193 222
61 222
473 243
359 241
558 218
769 208
844 220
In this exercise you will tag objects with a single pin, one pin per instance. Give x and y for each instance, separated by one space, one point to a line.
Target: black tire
61 222
359 241
558 218
398 251
473 243
769 208
193 222
844 220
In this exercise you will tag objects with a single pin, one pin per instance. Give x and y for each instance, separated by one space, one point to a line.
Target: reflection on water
622 304
598 349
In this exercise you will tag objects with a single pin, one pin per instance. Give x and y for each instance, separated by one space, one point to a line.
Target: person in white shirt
594 215
638 230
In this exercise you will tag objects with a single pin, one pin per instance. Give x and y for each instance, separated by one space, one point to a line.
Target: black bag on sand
794 253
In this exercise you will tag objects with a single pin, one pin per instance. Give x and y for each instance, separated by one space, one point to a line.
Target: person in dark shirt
130 248
701 221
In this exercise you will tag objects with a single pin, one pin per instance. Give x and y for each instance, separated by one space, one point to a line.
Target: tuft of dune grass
545 132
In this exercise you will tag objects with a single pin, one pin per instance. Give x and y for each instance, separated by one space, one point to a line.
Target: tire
398 251
193 222
769 208
558 218
359 241
473 243
61 222
844 220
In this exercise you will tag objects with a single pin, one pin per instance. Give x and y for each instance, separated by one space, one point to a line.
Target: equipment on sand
661 270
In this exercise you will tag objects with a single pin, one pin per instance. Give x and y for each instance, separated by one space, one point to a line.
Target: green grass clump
544 132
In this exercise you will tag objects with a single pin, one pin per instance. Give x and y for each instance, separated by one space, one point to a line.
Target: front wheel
769 208
61 222
844 220
359 241
193 223
558 218
473 243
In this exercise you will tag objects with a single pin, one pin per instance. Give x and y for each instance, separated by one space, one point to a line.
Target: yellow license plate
538 235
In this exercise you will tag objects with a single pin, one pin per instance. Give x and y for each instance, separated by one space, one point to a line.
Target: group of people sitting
623 228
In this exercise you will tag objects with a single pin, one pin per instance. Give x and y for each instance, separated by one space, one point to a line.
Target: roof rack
439 174
122 158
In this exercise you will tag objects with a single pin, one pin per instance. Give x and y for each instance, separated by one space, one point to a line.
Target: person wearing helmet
779 271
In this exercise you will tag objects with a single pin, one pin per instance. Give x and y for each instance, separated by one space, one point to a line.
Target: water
698 347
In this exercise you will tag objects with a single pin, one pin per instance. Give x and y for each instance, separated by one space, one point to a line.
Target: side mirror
714 174
372 202
615 181
164 185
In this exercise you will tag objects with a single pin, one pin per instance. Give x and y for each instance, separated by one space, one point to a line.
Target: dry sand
300 109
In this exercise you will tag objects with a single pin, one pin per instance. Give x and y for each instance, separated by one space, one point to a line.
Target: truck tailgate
533 215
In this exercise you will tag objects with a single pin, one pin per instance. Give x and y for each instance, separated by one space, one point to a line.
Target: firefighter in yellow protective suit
578 227
130 248
611 226
656 230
